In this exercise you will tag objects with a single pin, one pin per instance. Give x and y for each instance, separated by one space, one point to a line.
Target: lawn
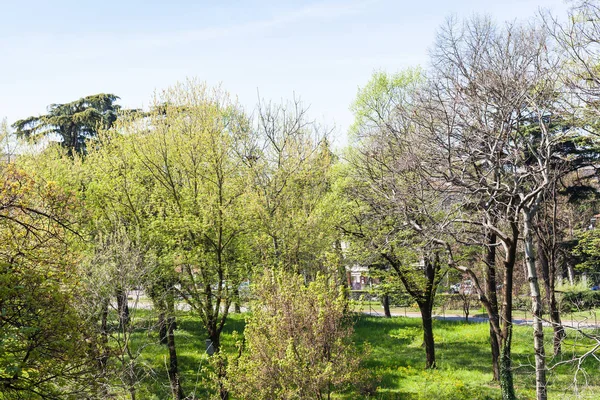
463 360
394 365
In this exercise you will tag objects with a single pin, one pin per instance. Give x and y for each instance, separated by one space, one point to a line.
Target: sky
319 51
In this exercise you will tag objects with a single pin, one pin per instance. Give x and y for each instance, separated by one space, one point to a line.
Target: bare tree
486 134
390 207
288 158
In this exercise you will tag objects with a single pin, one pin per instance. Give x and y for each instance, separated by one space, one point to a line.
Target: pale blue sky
58 51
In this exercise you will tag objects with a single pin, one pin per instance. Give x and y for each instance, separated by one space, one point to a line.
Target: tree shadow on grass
396 344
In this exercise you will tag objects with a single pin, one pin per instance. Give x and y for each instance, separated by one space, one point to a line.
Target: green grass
194 366
463 360
394 365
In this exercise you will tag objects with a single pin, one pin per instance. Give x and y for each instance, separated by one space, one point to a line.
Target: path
457 317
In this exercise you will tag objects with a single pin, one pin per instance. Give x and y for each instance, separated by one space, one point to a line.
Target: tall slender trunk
557 327
548 268
506 373
424 296
492 298
173 367
236 300
386 306
426 314
132 392
570 272
104 334
506 376
536 304
495 347
123 308
162 328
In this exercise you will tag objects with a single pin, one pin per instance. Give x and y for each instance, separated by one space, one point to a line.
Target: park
197 247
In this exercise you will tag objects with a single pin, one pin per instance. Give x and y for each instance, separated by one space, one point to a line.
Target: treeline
483 162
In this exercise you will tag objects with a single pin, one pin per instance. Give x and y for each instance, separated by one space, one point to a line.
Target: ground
395 364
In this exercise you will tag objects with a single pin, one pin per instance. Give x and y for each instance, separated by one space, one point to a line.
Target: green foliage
46 349
178 183
376 102
588 249
73 122
298 341
289 159
580 300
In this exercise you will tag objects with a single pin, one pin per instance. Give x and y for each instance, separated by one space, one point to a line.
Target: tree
179 177
289 159
578 39
115 267
7 143
489 121
387 204
117 189
74 123
297 340
46 349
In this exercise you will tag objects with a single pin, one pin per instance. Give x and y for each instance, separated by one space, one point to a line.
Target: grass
395 362
194 365
463 360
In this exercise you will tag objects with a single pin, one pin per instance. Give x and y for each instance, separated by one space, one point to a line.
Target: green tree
46 349
177 176
289 158
73 123
7 143
375 110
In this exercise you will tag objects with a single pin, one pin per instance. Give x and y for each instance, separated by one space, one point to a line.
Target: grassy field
395 363
463 359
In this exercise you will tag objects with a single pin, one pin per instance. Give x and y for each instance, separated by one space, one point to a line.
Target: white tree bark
536 304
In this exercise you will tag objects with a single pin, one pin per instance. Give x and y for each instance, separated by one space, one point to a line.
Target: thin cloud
326 10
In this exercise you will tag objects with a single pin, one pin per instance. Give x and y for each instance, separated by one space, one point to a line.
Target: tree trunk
173 368
171 307
559 330
123 308
236 301
548 267
495 346
570 272
536 304
386 306
215 338
428 341
104 334
424 298
162 328
506 376
506 373
492 298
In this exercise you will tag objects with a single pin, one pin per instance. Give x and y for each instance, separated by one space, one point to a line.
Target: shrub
577 300
297 341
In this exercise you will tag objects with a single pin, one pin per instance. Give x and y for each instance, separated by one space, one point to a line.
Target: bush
578 300
298 341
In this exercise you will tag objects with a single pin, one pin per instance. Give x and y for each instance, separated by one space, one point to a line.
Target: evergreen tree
73 122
